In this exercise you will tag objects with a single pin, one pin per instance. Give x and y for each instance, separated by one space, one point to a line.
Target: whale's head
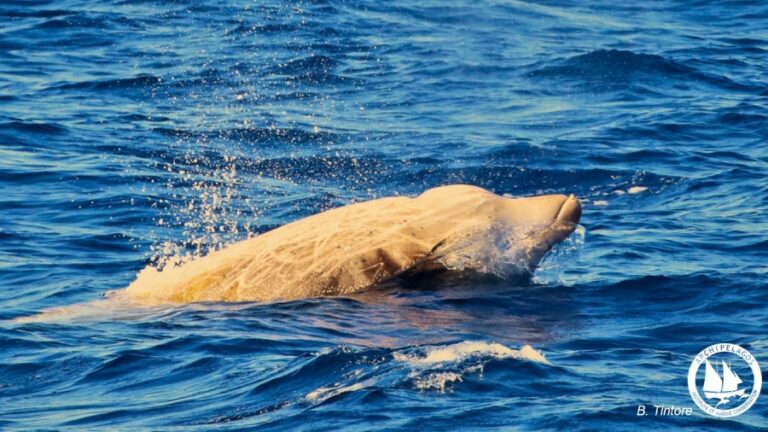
494 233
542 210
536 224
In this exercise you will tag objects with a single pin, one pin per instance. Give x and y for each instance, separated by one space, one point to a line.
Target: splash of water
460 352
507 252
207 206
438 367
553 266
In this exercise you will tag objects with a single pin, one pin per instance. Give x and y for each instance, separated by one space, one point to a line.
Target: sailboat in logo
721 388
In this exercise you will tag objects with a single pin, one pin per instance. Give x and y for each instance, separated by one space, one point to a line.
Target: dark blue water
131 131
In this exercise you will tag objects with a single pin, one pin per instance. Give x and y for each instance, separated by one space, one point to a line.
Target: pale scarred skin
350 248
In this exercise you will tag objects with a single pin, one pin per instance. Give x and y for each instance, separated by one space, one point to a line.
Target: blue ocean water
132 131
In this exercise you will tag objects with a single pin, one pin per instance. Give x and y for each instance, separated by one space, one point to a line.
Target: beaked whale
350 248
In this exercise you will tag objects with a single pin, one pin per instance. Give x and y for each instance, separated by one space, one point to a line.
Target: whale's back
335 252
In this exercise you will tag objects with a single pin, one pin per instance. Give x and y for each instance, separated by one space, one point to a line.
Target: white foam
460 351
324 393
436 381
637 189
433 367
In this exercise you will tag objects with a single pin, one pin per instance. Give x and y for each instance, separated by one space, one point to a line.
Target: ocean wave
616 64
258 135
45 13
32 127
139 81
313 64
613 68
323 394
73 21
266 28
463 351
420 368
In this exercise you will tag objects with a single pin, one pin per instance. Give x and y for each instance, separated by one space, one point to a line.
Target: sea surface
133 132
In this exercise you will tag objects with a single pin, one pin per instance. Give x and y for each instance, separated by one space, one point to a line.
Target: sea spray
552 269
